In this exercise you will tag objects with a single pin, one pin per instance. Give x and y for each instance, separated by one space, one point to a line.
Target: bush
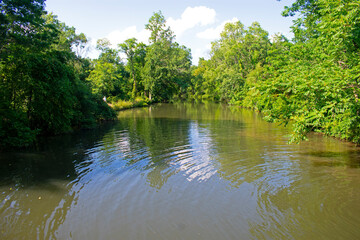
15 130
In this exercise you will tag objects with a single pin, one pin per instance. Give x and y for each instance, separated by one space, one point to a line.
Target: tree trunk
134 87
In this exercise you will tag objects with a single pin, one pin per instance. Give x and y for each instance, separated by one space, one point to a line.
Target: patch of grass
122 104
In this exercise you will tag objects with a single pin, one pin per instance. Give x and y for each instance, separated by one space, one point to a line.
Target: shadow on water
55 158
349 159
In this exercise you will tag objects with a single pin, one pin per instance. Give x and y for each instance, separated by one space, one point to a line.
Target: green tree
107 77
316 82
233 57
158 29
167 64
135 53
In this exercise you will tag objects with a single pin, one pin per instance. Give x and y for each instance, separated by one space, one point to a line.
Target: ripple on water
176 176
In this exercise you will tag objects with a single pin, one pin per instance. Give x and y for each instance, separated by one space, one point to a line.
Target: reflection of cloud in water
123 143
197 160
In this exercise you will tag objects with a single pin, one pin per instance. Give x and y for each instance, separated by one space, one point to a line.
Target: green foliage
167 64
312 82
159 72
158 29
48 87
233 57
315 83
42 76
135 53
14 128
108 76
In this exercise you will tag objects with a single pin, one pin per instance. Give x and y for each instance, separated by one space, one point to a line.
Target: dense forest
48 87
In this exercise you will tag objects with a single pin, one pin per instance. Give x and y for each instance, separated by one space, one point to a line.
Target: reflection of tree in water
163 129
245 149
147 147
292 202
35 184
174 141
159 136
56 158
36 212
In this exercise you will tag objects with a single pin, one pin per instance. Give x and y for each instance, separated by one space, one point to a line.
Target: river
182 171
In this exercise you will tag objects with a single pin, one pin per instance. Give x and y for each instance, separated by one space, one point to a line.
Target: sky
196 23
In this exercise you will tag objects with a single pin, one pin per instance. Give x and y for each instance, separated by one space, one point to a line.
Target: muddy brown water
182 171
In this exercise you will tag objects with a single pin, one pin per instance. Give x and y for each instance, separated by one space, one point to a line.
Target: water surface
182 171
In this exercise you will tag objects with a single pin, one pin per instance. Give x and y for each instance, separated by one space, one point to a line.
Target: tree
315 84
107 77
167 64
158 29
157 75
135 53
236 54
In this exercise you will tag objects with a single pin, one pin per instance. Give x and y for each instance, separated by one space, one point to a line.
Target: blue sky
196 23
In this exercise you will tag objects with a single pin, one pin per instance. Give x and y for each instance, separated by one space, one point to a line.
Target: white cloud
198 53
208 46
93 52
190 18
214 33
202 52
118 36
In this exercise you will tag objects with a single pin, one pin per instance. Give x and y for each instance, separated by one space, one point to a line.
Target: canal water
182 171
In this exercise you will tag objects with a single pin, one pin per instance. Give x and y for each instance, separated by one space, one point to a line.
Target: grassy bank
119 105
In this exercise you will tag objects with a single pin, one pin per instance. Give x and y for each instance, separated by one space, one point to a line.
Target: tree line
48 87
156 72
311 81
43 88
